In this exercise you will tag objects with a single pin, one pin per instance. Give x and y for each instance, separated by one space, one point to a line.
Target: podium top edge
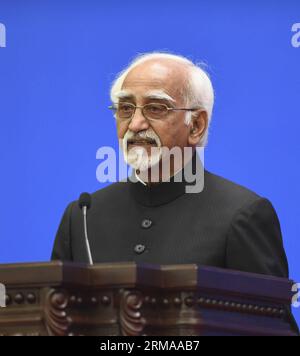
141 275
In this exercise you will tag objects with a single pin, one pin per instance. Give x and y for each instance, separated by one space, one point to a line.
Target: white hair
197 93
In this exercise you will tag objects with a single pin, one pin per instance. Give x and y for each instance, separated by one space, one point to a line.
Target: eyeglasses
151 111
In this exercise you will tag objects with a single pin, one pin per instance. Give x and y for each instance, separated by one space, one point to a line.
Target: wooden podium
135 299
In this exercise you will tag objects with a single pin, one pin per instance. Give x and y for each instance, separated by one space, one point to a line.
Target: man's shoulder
227 193
110 191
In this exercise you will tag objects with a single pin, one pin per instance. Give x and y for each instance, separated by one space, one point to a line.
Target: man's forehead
153 89
155 76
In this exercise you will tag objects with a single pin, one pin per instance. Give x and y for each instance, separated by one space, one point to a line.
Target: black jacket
225 225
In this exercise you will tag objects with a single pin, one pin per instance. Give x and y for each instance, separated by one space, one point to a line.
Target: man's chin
143 165
138 159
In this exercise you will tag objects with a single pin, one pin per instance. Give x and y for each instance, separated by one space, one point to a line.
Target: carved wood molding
132 322
57 321
129 299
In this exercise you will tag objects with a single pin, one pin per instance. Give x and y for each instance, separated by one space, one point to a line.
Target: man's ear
198 127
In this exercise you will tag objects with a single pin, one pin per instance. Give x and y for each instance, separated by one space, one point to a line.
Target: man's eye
125 107
155 109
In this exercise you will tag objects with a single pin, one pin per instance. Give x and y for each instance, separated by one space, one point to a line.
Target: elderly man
165 101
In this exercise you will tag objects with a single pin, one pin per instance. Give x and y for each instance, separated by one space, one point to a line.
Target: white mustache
146 135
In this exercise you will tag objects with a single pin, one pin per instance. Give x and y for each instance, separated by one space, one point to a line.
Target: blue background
55 74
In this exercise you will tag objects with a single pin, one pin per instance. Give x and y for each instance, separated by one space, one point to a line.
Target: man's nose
138 122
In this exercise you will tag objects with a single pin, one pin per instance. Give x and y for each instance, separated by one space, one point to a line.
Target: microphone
84 203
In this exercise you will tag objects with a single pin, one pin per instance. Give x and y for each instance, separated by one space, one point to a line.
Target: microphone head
85 199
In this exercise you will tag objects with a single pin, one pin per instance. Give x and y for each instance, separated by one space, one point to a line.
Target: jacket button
146 223
139 249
